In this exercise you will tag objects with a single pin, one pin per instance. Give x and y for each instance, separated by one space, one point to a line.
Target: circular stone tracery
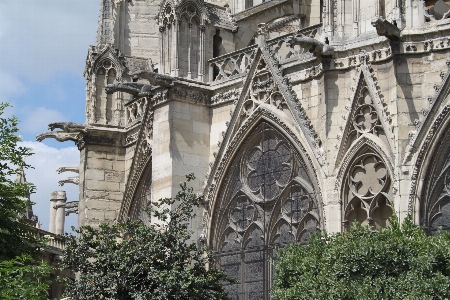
268 167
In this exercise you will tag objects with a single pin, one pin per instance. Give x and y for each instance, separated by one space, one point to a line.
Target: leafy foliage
16 235
397 262
22 278
131 260
20 274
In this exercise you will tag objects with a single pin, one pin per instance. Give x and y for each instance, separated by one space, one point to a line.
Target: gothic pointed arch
104 66
366 183
269 195
430 190
367 114
137 196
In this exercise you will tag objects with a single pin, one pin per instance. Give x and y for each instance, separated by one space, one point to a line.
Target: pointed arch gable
262 114
371 142
140 163
365 86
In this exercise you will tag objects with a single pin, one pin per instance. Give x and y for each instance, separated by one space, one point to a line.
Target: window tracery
435 206
367 192
267 199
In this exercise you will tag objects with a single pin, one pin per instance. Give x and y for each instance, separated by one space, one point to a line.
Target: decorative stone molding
442 91
424 149
142 157
365 116
228 150
227 96
73 180
295 106
74 169
372 142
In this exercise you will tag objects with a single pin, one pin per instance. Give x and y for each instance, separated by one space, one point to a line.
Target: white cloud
45 161
36 120
45 37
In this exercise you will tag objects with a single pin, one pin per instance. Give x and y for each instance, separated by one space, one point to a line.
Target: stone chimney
57 216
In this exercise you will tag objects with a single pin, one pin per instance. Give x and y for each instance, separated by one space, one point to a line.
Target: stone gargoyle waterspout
70 131
310 44
153 78
134 88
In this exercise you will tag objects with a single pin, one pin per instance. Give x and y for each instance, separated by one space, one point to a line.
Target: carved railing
134 110
231 65
284 53
54 241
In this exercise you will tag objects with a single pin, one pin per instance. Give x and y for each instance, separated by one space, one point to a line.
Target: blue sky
43 47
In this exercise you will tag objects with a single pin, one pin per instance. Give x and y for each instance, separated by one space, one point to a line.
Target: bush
130 260
396 262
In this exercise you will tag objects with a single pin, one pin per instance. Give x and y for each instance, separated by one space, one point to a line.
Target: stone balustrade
231 65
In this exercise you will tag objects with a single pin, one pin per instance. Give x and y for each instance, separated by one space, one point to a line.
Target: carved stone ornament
367 115
153 78
134 88
74 169
69 132
311 44
140 163
267 200
74 180
386 28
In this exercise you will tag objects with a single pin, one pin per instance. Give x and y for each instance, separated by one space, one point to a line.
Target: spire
21 179
105 30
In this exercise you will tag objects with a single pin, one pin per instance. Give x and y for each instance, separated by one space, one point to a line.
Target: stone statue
153 78
134 88
310 44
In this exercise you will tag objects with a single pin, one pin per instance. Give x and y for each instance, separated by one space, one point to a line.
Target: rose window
269 167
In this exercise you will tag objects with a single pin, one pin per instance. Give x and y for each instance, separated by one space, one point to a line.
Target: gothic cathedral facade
294 115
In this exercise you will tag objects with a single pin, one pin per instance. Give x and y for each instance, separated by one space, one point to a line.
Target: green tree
131 260
397 262
20 272
22 278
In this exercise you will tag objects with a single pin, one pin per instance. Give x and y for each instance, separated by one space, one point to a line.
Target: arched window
367 189
143 197
267 198
435 200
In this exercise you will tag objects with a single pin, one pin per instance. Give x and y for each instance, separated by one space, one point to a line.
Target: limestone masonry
294 115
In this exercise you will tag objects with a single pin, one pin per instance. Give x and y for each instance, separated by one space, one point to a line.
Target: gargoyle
67 126
70 131
69 207
310 44
74 180
134 88
68 169
386 29
153 78
60 136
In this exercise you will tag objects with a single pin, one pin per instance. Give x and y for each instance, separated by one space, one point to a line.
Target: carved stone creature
310 44
153 78
74 169
386 28
70 131
67 126
74 180
134 88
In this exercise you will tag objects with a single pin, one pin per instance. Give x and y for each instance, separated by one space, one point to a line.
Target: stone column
57 212
201 65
